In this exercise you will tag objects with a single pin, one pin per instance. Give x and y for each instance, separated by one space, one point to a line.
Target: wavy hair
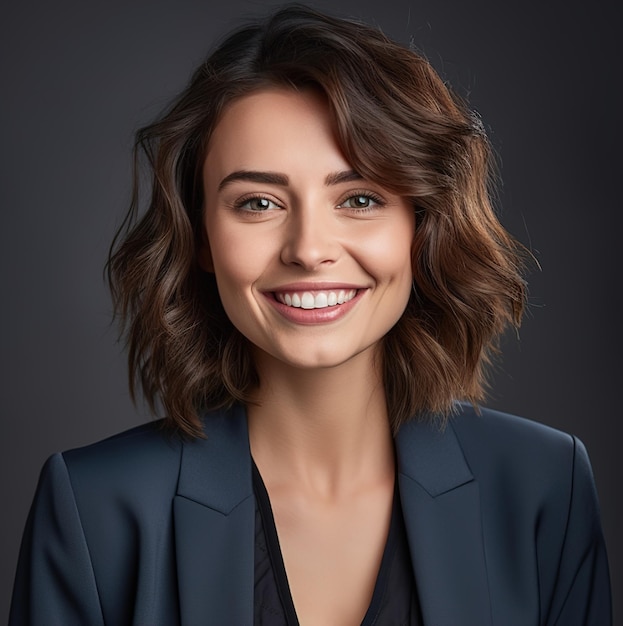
399 126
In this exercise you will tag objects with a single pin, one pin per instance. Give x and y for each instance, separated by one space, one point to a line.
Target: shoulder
528 456
125 463
130 456
505 454
142 469
496 437
136 470
522 463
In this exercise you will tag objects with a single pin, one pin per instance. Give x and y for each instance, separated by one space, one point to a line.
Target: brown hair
399 126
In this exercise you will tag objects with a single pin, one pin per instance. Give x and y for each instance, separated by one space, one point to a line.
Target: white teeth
308 301
321 300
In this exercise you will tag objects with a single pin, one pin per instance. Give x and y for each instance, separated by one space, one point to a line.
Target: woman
312 294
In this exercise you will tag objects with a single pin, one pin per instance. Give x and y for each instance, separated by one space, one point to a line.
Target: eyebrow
347 176
274 178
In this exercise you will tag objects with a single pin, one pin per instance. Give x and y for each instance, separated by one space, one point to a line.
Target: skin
319 430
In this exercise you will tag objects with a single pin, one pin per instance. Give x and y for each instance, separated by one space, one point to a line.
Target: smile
317 299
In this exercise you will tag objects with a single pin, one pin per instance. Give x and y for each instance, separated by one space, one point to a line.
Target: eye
361 201
256 204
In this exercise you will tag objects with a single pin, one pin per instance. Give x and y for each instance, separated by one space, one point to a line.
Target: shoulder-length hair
399 126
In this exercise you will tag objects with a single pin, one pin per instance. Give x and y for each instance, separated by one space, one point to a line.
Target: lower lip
314 316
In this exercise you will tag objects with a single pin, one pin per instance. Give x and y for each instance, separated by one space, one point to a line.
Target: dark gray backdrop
79 77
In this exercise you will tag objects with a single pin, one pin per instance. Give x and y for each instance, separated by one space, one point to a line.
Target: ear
204 254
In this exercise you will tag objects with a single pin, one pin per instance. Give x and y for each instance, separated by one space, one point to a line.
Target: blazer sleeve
54 583
582 593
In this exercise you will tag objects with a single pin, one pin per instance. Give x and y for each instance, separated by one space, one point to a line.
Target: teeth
308 301
319 300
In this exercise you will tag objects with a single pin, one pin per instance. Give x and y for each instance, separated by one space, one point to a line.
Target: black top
394 599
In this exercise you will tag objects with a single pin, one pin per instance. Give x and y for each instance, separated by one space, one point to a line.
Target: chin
317 358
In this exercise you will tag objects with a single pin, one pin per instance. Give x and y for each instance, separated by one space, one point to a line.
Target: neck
325 429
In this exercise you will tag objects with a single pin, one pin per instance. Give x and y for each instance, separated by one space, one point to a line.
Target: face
312 261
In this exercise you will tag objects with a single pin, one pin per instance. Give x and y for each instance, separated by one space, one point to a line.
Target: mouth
316 299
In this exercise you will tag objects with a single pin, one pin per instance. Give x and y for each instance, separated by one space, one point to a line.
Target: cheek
238 257
401 245
231 268
233 277
388 252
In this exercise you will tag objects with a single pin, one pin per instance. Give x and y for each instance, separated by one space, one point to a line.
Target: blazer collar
441 506
214 522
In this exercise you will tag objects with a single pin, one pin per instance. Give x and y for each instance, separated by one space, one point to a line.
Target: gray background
79 77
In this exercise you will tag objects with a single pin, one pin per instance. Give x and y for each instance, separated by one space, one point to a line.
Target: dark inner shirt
394 599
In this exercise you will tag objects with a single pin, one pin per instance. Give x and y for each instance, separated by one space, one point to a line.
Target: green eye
257 204
360 201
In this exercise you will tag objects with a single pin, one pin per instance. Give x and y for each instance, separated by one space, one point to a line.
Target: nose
310 238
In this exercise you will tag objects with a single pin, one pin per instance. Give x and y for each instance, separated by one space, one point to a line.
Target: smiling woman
398 128
312 296
311 256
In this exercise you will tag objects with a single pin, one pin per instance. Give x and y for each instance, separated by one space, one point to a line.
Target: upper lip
314 286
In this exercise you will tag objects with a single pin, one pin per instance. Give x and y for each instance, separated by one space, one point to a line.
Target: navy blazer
147 529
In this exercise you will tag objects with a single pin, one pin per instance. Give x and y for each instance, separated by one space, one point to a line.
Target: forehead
273 129
270 105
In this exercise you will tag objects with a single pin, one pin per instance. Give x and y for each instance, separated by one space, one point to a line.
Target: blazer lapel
214 521
441 507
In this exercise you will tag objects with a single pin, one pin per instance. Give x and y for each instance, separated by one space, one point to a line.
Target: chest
323 562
